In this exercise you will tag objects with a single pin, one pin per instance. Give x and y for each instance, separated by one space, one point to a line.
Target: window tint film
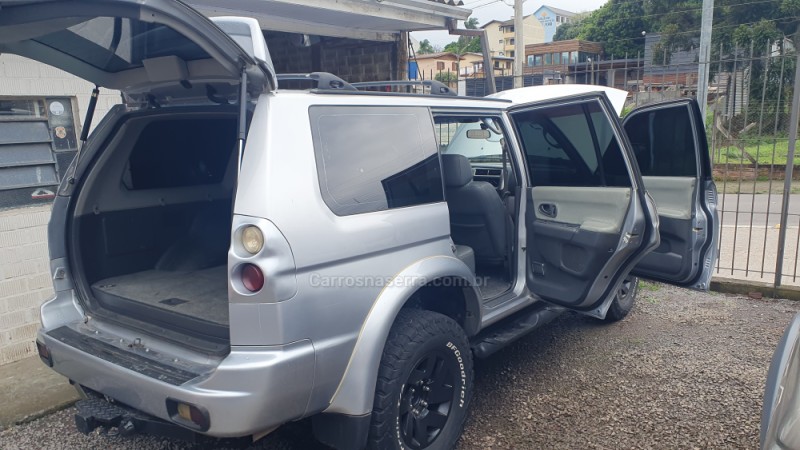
114 44
374 158
571 145
663 142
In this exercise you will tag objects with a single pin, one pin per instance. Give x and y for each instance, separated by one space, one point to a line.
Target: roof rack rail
324 80
436 87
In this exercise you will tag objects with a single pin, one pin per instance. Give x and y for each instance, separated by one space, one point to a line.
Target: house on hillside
673 70
430 65
471 65
564 61
551 18
501 37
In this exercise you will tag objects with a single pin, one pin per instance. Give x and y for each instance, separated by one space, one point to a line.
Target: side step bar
511 329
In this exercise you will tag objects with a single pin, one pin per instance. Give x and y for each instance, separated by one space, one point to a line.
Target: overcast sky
501 11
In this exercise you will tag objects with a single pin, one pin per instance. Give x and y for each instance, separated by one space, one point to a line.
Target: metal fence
747 125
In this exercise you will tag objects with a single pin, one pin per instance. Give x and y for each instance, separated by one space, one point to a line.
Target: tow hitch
97 412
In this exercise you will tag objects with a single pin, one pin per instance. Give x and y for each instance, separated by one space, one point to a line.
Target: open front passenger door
587 216
670 145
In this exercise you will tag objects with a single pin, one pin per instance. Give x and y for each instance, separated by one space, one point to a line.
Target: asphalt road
736 209
683 370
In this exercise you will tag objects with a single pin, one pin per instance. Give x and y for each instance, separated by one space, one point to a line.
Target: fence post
787 182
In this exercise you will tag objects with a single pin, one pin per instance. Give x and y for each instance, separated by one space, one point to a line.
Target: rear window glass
664 142
176 153
571 144
116 44
375 158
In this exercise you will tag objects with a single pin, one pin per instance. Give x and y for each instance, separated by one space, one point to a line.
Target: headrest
457 170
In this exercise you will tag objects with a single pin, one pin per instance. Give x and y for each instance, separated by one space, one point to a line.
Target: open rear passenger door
587 217
670 145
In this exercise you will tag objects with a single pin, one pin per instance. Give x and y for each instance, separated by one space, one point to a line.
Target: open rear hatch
159 53
153 50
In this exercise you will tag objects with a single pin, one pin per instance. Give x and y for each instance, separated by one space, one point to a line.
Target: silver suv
229 256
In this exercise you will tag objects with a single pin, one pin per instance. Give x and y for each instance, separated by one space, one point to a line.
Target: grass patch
762 151
652 300
648 286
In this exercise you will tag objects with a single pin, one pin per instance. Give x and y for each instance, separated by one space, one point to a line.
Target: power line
755 2
716 27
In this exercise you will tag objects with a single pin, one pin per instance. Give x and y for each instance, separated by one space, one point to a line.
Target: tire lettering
460 359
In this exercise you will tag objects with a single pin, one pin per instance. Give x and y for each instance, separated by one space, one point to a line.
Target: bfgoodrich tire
424 384
624 300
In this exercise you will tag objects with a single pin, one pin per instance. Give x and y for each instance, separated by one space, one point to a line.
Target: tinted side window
375 158
571 145
663 141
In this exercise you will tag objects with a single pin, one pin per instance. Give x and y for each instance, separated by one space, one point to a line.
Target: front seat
477 214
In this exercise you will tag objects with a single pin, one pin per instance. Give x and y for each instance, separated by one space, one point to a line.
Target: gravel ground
684 370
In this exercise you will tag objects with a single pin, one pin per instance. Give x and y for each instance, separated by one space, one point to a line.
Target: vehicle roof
323 97
551 92
502 100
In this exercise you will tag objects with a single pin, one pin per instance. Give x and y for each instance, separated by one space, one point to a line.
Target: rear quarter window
375 158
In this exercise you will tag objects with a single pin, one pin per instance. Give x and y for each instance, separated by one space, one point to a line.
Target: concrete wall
24 279
21 77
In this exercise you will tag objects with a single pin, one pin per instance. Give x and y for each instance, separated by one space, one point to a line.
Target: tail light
252 277
252 239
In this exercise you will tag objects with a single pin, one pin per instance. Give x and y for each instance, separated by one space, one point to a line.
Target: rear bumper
253 390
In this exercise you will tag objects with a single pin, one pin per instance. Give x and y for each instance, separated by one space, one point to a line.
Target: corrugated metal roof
435 55
449 2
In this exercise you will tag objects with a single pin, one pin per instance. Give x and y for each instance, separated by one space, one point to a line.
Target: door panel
586 214
672 153
592 209
673 195
575 243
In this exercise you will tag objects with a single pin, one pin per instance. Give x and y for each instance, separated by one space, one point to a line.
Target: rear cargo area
194 293
152 223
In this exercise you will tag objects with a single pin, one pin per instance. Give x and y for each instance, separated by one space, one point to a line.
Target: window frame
583 100
341 210
508 130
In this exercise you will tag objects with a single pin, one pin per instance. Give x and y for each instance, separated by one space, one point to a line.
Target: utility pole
705 55
519 45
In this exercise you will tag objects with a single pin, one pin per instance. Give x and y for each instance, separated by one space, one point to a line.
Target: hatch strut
242 116
87 124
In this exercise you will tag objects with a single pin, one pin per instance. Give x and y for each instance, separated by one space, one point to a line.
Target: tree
466 44
618 25
447 78
568 31
425 47
461 46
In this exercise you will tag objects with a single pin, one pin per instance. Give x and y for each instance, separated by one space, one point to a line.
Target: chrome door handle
548 209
